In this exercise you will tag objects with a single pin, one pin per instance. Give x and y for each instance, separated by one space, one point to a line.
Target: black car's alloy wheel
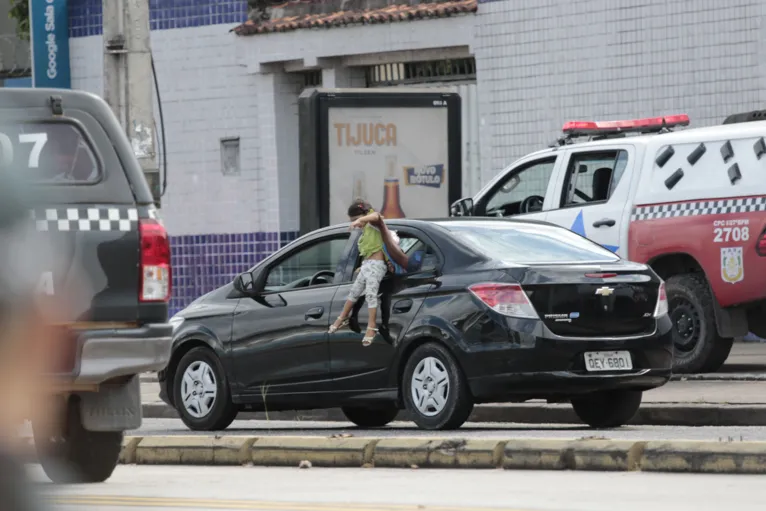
697 347
608 409
371 417
434 389
201 392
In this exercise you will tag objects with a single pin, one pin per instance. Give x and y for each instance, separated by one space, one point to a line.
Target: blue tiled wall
85 16
204 262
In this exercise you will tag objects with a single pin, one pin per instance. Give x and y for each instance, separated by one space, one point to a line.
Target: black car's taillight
507 299
662 302
155 262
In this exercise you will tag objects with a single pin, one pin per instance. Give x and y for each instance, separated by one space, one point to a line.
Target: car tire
212 409
608 409
422 373
696 343
71 454
370 417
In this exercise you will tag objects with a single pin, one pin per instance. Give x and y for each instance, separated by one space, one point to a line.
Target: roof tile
390 14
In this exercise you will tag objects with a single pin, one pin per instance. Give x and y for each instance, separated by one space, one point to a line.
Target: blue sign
49 35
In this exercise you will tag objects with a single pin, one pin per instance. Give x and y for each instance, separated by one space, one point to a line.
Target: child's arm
373 217
394 250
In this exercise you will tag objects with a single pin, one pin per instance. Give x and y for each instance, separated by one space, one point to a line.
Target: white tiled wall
206 96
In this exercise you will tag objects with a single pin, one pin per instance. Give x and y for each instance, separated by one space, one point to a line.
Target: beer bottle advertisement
395 158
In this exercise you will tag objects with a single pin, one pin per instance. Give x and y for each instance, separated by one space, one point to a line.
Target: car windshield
520 243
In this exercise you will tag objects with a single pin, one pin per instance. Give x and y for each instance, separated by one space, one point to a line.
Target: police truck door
593 195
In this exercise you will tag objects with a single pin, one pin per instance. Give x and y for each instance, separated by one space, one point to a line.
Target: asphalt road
475 430
292 489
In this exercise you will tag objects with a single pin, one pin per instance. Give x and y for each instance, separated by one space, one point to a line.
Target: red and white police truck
689 202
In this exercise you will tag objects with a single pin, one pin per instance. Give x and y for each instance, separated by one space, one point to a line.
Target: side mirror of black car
462 207
245 283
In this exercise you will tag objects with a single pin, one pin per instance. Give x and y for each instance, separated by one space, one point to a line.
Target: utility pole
128 80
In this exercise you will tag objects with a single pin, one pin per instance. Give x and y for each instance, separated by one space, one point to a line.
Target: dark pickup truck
97 208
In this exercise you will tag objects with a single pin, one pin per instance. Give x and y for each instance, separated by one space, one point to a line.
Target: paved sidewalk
746 357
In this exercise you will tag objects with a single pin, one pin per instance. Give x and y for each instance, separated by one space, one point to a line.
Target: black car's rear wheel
371 417
607 409
434 389
201 392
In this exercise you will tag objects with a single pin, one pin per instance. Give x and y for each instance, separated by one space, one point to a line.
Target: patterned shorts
368 282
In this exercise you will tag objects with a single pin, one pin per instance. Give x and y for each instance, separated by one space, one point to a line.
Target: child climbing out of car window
372 271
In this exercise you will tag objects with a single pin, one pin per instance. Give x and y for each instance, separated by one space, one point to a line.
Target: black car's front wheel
607 409
201 392
434 389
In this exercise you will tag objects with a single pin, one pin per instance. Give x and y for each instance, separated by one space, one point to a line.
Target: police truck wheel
696 343
201 392
719 355
72 454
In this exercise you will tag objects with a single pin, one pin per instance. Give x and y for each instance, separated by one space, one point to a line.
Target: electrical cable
162 131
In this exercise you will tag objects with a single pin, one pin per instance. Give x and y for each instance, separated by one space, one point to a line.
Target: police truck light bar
650 124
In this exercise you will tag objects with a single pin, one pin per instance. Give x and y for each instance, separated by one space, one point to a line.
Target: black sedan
488 311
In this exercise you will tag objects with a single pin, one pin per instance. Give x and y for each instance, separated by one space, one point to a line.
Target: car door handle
604 222
314 313
402 306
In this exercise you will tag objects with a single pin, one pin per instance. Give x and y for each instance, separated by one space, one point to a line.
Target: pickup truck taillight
155 262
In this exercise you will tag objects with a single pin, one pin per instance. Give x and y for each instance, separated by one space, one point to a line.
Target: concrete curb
735 377
527 454
670 414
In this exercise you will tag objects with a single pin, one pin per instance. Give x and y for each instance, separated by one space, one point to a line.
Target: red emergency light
647 125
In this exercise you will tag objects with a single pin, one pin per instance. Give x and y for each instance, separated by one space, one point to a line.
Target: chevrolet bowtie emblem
605 291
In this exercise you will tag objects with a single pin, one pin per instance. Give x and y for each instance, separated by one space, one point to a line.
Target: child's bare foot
339 323
369 336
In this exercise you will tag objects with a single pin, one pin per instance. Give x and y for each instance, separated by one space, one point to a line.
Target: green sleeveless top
370 242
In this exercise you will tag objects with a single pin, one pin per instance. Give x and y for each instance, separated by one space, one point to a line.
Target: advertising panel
400 150
394 158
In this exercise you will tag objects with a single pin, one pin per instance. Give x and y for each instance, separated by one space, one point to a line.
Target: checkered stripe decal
86 219
709 207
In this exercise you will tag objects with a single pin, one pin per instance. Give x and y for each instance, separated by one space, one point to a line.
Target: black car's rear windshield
520 243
